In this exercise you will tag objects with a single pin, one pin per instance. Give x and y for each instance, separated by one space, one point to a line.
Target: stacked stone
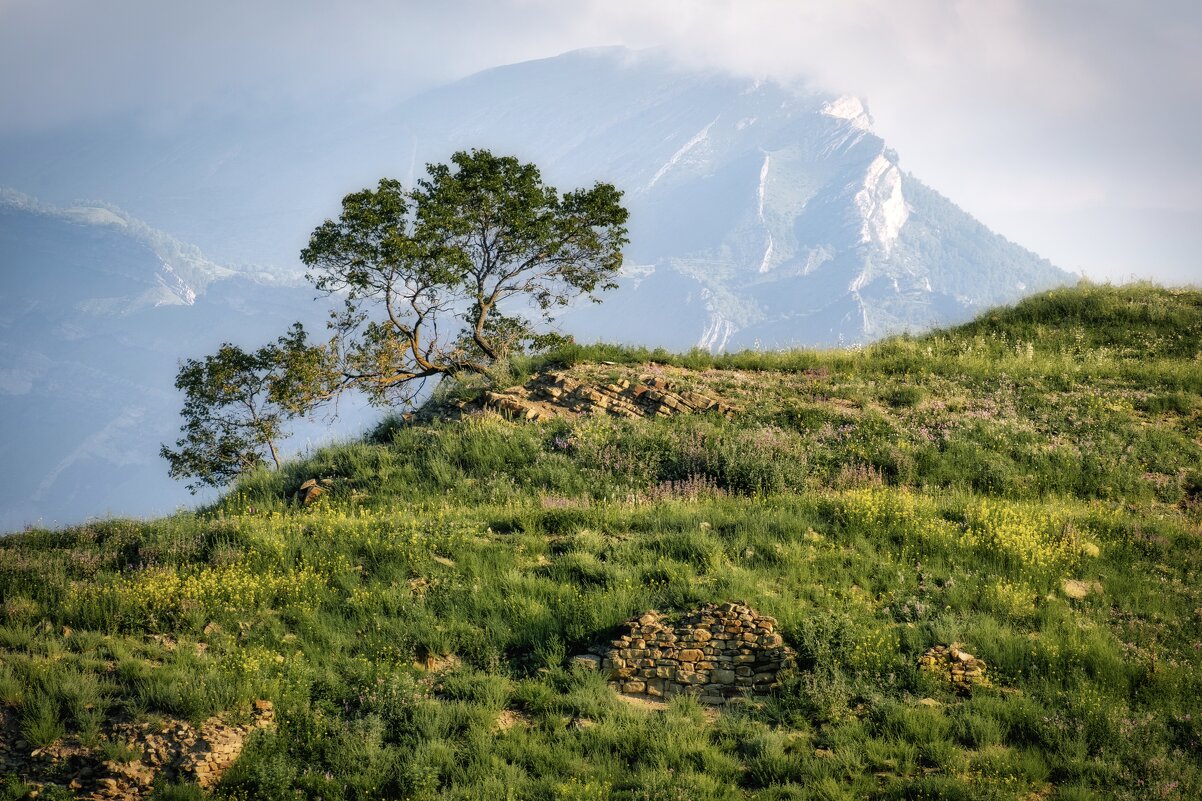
552 394
959 666
222 745
717 653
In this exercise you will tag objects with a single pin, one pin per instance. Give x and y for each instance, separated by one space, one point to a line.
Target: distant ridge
97 311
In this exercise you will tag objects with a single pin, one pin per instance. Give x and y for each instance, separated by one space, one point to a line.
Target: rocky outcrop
313 489
557 394
717 653
176 750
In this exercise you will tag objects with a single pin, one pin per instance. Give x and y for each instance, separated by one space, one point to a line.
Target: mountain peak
850 108
761 213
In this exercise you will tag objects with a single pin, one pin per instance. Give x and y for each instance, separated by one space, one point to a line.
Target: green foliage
433 282
441 291
236 404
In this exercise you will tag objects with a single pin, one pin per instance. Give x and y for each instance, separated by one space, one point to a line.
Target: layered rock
717 653
557 394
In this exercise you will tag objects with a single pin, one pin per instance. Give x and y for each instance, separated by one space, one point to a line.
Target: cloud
1087 103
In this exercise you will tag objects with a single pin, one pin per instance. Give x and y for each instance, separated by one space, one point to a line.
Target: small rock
1075 589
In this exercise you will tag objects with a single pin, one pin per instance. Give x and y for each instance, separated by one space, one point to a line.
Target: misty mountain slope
96 312
759 214
762 215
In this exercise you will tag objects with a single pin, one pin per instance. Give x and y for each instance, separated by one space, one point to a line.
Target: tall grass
415 626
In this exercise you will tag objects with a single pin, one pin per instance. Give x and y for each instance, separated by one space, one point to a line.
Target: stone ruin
175 750
956 665
718 653
556 394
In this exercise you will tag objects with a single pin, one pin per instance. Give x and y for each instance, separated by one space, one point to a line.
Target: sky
1068 126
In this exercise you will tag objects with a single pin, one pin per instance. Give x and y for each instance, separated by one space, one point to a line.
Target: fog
1069 127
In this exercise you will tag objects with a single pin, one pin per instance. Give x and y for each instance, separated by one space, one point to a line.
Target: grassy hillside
1028 485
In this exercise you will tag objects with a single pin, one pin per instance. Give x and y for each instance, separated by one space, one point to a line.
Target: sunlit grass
923 491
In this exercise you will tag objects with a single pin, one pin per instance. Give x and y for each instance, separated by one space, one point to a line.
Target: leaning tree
440 280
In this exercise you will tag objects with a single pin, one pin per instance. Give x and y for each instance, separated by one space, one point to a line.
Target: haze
1069 127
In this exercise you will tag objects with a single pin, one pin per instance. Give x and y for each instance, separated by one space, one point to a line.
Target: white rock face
180 291
683 151
716 334
882 205
850 108
718 330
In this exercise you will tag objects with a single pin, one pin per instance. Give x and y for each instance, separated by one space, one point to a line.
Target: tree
236 404
433 280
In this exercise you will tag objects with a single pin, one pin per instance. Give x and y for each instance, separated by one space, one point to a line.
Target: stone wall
717 653
955 664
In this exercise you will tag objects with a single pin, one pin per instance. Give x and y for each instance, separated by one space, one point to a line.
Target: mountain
97 310
762 215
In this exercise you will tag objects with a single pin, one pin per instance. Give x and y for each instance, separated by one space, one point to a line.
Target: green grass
923 491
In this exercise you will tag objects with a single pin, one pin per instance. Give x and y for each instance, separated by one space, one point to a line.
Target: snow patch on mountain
634 274
696 140
760 191
179 290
